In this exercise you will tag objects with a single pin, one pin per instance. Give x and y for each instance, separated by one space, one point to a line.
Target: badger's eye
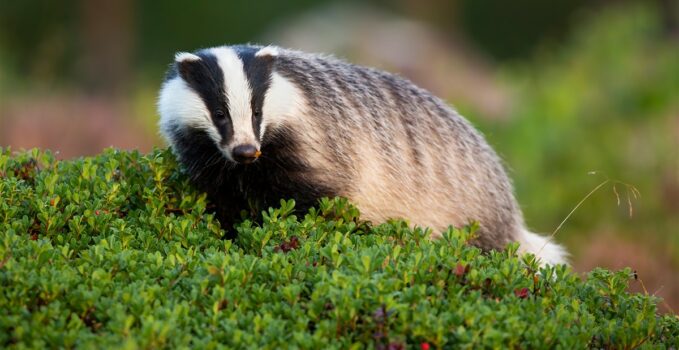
219 114
258 113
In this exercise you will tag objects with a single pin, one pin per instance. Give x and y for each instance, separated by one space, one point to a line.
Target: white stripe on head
283 100
179 105
239 95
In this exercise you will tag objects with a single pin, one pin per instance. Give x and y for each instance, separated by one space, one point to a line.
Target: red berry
522 293
460 270
424 346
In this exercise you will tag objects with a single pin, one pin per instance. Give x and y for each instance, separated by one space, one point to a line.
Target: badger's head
227 94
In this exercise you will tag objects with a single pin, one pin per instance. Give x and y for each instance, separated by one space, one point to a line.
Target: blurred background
571 93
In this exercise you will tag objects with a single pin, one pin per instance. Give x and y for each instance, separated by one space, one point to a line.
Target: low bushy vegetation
118 250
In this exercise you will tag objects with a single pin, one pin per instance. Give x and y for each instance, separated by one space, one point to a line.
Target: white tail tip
543 248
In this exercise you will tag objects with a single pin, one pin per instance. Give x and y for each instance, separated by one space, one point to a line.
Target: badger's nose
245 154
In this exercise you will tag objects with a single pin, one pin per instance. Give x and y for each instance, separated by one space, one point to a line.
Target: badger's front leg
227 208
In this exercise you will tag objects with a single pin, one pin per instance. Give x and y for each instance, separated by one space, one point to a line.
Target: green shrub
119 251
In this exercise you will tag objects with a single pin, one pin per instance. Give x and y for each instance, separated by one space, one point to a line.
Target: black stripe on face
258 72
206 78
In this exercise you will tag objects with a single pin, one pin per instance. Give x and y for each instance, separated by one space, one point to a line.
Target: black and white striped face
229 93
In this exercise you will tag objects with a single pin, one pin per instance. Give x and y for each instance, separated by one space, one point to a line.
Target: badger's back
406 154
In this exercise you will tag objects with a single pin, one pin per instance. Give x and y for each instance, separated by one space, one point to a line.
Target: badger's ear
190 67
267 52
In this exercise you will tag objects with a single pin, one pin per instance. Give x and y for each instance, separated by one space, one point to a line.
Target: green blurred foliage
608 101
118 251
512 29
45 39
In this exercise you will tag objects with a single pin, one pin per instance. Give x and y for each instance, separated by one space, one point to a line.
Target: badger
254 124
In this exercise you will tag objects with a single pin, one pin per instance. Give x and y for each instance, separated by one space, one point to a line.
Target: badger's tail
544 249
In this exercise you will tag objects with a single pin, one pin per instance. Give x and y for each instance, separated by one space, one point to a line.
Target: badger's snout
245 154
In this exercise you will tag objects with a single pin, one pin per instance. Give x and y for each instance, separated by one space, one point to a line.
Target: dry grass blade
576 208
629 189
617 196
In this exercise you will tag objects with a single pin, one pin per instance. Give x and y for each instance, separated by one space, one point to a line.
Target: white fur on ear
185 56
267 51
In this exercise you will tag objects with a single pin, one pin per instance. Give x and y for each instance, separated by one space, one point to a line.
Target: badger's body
328 128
